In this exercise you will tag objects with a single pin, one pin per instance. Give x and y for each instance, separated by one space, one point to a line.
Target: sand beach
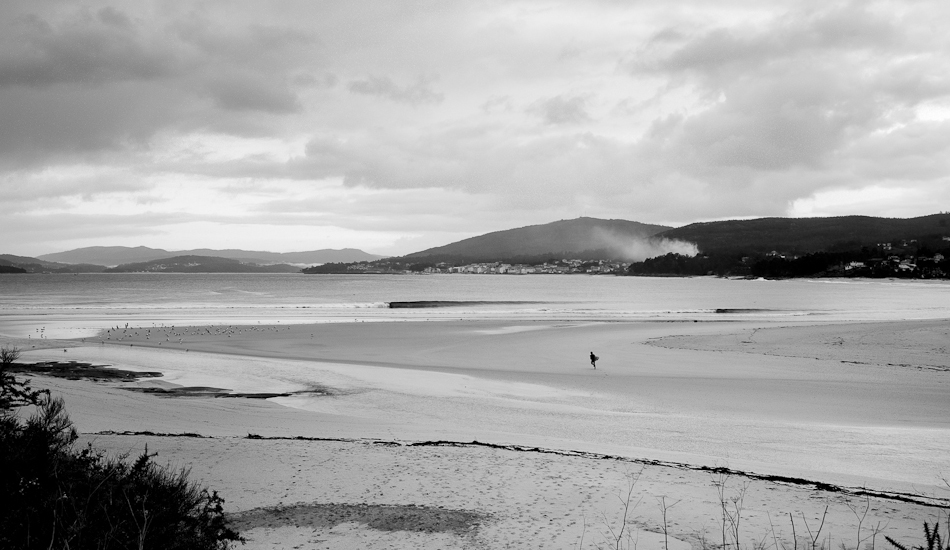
493 434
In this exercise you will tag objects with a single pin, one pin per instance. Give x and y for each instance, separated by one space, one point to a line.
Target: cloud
47 127
84 49
35 235
804 95
559 110
497 103
475 159
29 191
540 111
798 88
247 93
768 113
82 84
414 94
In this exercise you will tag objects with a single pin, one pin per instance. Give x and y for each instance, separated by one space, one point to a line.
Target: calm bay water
79 305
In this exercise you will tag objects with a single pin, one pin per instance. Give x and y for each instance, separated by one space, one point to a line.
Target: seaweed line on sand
922 500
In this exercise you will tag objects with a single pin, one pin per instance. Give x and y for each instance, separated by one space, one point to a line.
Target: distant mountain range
123 259
582 238
560 239
200 264
117 255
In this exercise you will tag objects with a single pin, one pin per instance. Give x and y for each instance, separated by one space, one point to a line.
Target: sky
395 126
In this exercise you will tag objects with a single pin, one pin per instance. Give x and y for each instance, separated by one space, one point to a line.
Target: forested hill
850 246
10 263
807 235
564 238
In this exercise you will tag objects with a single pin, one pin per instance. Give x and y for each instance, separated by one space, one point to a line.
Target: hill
311 257
107 255
619 239
117 255
200 264
35 265
807 235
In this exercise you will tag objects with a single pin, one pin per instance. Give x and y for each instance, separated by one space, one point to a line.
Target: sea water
69 306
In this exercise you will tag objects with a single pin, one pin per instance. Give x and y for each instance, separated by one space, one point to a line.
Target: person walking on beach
593 360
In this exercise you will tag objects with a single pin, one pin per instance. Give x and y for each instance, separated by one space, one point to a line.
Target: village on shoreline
558 267
884 261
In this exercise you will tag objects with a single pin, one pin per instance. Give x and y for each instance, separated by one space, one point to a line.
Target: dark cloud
80 84
250 93
50 125
251 45
84 49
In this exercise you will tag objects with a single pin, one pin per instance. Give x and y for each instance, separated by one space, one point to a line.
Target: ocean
70 306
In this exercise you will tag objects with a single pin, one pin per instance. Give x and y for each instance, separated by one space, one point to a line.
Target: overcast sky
393 126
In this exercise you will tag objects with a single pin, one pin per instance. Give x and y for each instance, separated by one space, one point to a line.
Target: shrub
15 393
58 497
8 356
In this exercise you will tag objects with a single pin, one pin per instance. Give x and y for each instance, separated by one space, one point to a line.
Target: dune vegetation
57 496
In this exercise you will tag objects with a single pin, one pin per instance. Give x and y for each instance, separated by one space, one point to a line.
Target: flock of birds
119 333
170 333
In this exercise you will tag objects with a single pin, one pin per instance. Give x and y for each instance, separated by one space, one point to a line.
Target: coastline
398 385
529 383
